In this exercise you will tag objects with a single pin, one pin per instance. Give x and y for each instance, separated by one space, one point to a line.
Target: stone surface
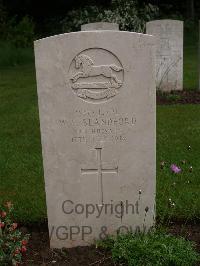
96 95
169 53
100 26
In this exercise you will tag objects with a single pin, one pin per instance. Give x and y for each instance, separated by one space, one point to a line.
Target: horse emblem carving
90 70
96 90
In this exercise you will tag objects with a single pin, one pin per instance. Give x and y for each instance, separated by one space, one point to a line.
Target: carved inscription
96 75
99 125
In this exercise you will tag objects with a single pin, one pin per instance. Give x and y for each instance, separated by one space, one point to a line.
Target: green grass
155 248
190 62
21 173
190 80
12 56
178 126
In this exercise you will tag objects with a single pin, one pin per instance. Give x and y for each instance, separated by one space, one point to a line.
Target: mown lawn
178 131
190 57
21 173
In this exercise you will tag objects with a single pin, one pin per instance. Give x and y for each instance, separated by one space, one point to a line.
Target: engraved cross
100 170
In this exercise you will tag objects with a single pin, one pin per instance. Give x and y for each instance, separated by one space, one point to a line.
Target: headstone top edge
96 32
165 21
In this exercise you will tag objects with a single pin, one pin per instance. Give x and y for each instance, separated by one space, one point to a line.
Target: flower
175 169
23 249
171 203
24 242
3 214
17 251
1 225
14 226
162 164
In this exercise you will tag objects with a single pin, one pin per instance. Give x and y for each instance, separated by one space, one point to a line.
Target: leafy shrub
152 249
127 13
18 32
21 34
173 97
10 55
3 16
75 18
12 242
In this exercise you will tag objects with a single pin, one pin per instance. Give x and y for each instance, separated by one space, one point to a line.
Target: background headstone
100 26
169 53
96 95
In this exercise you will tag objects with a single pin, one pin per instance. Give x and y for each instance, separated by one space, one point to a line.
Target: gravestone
169 53
96 93
100 26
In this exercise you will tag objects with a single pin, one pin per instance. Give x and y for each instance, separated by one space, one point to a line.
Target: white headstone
96 95
169 53
100 26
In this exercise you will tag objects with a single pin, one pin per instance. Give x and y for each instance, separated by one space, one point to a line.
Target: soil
39 253
180 97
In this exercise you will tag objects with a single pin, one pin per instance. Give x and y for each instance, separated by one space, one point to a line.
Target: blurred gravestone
169 53
100 26
96 95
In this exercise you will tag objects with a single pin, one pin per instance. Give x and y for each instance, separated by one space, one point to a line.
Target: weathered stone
100 26
96 95
169 53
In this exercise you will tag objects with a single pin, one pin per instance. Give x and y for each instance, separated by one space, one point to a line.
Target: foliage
12 241
127 13
20 34
10 55
190 59
153 249
3 16
172 96
76 17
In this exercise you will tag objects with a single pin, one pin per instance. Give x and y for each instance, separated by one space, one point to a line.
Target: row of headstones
169 50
